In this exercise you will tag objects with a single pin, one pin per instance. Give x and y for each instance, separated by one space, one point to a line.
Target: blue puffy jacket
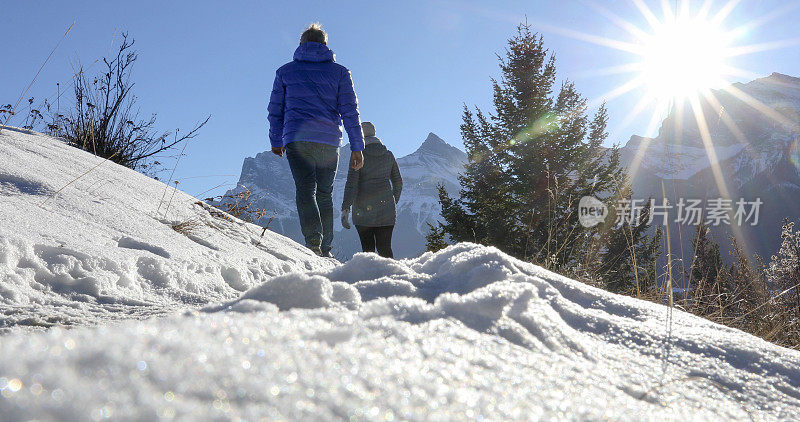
311 97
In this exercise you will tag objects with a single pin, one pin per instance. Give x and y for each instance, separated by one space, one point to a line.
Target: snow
266 331
104 247
759 142
682 161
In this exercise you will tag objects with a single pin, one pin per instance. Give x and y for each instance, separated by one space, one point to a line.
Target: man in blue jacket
311 97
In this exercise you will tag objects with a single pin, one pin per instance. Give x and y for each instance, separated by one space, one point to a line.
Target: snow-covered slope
105 247
269 179
465 333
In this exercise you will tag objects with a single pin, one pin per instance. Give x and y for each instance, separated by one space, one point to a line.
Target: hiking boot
326 254
317 251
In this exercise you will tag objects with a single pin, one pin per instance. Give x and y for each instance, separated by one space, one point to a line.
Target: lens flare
794 152
682 59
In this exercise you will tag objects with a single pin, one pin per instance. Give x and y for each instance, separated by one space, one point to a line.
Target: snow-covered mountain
750 133
269 180
177 311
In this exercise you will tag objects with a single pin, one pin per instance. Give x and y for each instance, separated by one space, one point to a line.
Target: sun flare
683 57
682 53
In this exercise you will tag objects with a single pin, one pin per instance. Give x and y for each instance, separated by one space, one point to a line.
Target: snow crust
259 329
465 333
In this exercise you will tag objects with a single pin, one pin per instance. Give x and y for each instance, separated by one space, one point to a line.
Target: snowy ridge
103 248
434 162
680 162
760 137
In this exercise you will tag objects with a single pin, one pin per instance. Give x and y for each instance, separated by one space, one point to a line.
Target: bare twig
170 178
37 75
75 179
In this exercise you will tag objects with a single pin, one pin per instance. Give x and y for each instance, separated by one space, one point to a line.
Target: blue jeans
313 168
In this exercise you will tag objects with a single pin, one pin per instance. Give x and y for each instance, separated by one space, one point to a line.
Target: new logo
591 211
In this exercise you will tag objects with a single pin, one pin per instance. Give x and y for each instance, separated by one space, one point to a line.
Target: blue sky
414 63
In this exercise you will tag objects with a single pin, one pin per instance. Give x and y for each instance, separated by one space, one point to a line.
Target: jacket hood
375 148
314 52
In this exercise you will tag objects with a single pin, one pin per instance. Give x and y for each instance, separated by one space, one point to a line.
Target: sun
682 53
682 57
681 63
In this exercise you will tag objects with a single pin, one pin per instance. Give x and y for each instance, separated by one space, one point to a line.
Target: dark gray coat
374 190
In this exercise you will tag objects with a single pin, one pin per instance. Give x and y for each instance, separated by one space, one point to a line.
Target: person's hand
346 218
278 151
356 160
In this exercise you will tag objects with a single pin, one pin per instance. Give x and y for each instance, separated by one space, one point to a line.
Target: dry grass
239 205
242 206
190 227
749 296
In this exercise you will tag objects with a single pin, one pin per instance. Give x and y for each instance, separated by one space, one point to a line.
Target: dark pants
376 237
313 168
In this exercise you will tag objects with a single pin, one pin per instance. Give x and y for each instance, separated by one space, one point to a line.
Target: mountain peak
774 81
433 141
433 145
783 78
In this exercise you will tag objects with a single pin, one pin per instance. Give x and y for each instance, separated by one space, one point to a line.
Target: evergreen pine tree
784 267
435 239
627 260
530 162
706 289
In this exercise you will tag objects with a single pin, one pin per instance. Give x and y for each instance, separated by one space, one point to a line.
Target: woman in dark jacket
373 192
